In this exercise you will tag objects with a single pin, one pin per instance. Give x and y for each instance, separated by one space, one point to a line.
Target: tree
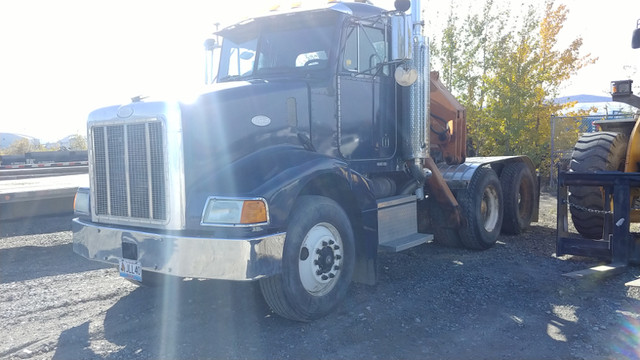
507 76
19 147
77 142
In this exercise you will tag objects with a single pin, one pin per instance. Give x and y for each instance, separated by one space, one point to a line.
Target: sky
59 60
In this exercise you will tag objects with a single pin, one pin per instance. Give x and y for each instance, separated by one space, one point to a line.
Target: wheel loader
604 185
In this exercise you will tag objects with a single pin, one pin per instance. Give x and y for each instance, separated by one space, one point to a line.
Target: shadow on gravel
221 320
35 225
74 344
430 303
33 262
197 319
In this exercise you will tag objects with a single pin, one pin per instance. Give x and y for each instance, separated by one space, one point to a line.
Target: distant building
605 107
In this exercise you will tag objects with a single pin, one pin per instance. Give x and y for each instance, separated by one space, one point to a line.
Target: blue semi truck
324 139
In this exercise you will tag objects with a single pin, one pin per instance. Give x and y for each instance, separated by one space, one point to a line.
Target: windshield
264 47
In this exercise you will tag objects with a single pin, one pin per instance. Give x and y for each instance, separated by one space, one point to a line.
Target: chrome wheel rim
320 259
490 208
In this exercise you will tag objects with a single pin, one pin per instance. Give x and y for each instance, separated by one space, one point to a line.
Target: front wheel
317 261
598 151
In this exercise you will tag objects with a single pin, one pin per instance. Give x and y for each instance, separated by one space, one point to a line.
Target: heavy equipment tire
442 234
518 189
482 206
598 151
317 261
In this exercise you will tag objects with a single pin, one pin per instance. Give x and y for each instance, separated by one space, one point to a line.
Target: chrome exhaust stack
410 47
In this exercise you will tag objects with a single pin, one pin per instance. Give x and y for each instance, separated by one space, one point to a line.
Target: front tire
599 151
317 261
482 206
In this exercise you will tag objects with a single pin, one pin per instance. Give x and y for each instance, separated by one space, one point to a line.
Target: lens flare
627 342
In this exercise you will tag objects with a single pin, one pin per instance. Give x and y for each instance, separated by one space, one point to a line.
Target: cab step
405 243
398 224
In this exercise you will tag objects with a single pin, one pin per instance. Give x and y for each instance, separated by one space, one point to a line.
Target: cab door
366 99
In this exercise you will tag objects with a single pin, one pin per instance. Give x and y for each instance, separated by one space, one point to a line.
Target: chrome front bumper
229 259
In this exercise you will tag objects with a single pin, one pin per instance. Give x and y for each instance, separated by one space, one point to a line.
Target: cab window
365 50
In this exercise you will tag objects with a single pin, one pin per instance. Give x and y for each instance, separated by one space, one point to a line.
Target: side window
350 61
236 59
364 50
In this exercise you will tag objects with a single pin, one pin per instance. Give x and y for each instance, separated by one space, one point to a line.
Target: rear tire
518 188
599 151
482 206
317 261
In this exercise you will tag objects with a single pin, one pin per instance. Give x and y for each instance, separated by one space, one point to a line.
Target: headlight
235 212
81 205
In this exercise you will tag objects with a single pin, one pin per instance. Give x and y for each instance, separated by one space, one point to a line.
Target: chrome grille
129 171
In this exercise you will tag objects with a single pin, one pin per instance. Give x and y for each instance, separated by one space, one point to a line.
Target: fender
278 174
458 176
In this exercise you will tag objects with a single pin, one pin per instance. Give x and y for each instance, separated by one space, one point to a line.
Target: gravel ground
509 302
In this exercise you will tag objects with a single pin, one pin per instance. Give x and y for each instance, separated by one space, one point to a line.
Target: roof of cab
354 9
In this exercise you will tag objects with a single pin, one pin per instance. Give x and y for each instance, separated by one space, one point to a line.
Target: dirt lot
509 302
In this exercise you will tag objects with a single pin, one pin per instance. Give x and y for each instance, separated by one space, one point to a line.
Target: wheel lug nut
318 251
325 277
336 247
336 267
332 275
338 257
318 272
324 243
315 262
331 242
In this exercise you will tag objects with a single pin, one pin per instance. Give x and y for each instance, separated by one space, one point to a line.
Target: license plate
130 269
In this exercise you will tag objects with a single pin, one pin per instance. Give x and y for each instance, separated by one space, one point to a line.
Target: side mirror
210 44
635 41
400 37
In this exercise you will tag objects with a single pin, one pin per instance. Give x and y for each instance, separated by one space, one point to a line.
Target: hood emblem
125 111
261 120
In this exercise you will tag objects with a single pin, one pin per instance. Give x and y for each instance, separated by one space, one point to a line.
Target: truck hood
237 119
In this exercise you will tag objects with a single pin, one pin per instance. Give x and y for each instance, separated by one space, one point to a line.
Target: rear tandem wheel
482 207
518 188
